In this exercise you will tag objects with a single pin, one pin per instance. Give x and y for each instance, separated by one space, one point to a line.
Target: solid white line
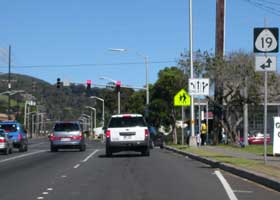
22 156
76 166
227 187
90 155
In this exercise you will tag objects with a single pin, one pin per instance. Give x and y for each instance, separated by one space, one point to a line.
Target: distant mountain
66 103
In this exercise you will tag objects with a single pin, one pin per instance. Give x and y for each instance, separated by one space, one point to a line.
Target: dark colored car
67 135
17 134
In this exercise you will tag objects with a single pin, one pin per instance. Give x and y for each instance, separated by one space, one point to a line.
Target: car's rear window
66 127
9 127
126 122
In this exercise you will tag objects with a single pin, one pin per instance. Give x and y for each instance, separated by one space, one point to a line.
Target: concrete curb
252 176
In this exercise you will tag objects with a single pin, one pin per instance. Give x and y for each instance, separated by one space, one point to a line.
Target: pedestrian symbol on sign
182 98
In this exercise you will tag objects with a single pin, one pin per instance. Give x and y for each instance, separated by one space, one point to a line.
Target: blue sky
60 36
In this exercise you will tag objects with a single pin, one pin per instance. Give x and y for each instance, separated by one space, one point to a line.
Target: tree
162 110
231 75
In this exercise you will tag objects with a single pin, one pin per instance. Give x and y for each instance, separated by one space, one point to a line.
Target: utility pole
218 95
220 27
9 84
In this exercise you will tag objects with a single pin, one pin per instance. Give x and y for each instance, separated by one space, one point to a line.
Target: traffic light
88 84
118 86
58 83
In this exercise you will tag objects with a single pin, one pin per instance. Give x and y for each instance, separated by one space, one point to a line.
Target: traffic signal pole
9 85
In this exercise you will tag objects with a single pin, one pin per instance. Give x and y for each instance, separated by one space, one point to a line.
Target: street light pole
147 70
91 118
118 86
103 108
192 138
147 81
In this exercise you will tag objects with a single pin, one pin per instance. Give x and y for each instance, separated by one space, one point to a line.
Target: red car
258 138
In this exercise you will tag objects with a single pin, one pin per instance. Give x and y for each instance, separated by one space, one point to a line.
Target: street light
147 69
91 127
118 85
102 100
85 116
31 103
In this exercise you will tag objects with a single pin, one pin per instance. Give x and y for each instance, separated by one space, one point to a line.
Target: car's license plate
65 139
127 137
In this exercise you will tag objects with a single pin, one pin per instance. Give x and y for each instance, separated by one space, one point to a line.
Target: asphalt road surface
89 175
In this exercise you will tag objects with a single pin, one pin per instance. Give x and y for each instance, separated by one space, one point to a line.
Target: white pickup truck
127 132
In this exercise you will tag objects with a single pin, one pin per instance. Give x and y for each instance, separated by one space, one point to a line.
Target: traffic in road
72 174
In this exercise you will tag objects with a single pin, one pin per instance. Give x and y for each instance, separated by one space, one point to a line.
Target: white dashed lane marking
90 155
76 166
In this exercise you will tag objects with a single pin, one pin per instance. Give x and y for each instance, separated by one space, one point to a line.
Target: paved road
40 174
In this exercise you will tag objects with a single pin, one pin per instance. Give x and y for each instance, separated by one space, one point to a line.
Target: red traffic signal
118 85
88 84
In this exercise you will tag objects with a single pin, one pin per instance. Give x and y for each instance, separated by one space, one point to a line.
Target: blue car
17 134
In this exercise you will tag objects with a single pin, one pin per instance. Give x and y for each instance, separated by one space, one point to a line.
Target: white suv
127 132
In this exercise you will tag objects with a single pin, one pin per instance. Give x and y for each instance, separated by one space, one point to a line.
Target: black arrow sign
266 64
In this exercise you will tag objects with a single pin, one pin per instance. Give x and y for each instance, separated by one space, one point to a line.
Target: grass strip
251 165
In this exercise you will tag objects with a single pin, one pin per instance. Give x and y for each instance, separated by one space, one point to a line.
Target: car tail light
146 132
52 137
126 116
2 140
78 137
108 134
19 136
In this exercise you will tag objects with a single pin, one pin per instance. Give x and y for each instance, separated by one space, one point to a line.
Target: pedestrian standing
203 131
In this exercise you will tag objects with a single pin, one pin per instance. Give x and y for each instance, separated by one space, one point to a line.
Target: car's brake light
2 140
126 116
146 132
78 137
52 137
108 134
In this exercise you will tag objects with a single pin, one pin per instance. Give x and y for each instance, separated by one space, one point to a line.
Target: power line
264 7
270 2
89 65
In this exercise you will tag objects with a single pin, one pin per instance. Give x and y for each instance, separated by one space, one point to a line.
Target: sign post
265 41
182 98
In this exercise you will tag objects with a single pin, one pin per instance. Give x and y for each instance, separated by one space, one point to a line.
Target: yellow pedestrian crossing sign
182 98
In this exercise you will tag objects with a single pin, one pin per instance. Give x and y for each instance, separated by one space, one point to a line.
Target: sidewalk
272 161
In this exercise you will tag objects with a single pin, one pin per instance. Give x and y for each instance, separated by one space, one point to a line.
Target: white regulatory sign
265 63
276 136
199 86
